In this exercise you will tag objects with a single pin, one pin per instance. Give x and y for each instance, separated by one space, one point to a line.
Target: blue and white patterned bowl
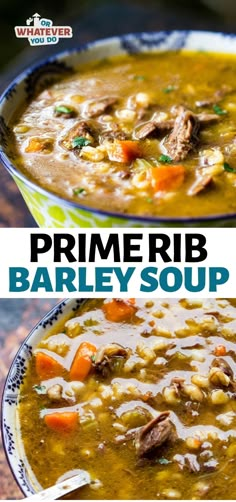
50 210
11 436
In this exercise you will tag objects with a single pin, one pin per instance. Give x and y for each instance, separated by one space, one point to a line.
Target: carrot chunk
123 151
166 178
62 422
37 145
220 350
118 311
82 362
47 367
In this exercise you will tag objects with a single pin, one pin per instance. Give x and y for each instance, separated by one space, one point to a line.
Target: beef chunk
114 133
105 355
80 129
200 184
207 118
184 135
154 128
146 130
99 106
154 434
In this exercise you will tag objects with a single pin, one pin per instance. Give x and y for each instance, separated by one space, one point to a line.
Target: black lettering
198 247
96 244
129 247
82 248
39 244
60 249
177 248
155 249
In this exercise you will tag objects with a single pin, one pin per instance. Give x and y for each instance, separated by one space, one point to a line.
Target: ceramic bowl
11 436
50 210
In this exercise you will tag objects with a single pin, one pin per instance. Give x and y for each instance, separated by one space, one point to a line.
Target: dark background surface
90 19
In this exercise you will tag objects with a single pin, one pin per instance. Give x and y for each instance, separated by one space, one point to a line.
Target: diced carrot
82 362
62 422
38 145
47 367
220 350
166 178
123 151
118 310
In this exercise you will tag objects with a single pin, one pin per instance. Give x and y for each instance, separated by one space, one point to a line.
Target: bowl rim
62 303
158 220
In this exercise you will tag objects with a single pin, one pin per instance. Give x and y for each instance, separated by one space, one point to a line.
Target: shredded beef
99 106
80 129
184 135
154 434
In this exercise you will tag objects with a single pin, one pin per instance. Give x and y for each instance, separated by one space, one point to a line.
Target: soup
144 134
141 394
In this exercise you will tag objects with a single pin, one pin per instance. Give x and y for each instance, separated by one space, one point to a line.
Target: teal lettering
64 279
41 280
151 282
18 279
218 276
103 275
124 278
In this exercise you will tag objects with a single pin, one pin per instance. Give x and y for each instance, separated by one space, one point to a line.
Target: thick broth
173 349
75 142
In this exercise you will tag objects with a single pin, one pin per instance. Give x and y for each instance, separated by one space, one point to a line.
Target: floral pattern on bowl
10 426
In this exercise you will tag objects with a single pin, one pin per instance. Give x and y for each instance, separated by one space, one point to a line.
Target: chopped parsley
149 200
79 191
63 109
80 141
164 461
40 389
165 159
168 89
218 110
140 78
228 168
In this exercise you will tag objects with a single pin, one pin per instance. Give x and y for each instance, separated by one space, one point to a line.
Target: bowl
12 443
50 210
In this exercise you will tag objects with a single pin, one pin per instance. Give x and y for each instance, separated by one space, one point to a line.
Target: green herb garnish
218 110
165 159
149 200
164 461
168 89
228 168
93 358
40 389
80 141
63 109
141 78
79 191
